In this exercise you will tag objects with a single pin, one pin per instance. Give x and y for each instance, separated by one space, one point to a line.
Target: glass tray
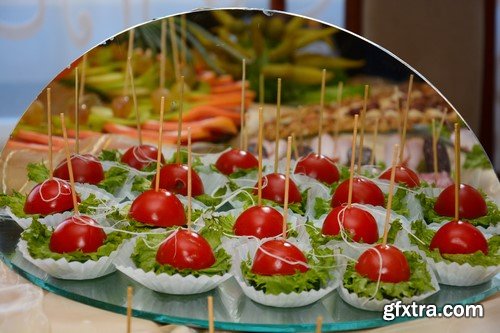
232 310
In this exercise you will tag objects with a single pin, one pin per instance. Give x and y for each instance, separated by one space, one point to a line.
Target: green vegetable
320 262
112 155
141 184
425 235
38 238
37 172
16 203
399 204
430 216
216 227
196 161
476 159
144 257
418 284
321 206
114 178
89 205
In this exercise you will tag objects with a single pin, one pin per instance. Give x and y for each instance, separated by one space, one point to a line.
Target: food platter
107 126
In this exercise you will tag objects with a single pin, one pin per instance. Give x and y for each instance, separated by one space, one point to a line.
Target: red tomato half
358 223
77 233
459 238
234 160
50 197
394 266
279 257
185 250
364 191
402 175
318 167
260 222
139 157
273 188
471 202
173 178
160 209
86 169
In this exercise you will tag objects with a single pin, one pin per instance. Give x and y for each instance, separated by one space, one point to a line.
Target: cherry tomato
402 175
273 188
160 209
471 202
173 177
139 157
50 197
318 167
86 169
260 222
358 223
364 191
77 233
234 160
279 257
185 250
394 266
459 238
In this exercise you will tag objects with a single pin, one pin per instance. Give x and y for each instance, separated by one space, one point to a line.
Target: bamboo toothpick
179 121
175 49
457 171
277 133
83 78
49 130
374 141
362 128
395 154
405 121
353 156
434 150
398 109
189 180
321 110
129 309
70 166
211 328
261 89
242 107
130 49
259 147
134 100
336 127
319 324
77 114
183 41
163 52
287 183
295 147
160 143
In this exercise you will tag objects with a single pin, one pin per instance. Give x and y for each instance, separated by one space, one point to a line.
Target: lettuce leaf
144 257
89 205
38 238
399 204
476 159
16 203
419 282
141 184
216 227
112 155
196 161
321 206
37 172
114 178
321 262
425 235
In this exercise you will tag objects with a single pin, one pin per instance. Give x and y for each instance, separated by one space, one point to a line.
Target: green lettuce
114 178
321 206
37 172
89 205
320 262
422 237
216 227
195 162
141 184
144 257
112 155
399 204
16 203
418 284
38 238
476 159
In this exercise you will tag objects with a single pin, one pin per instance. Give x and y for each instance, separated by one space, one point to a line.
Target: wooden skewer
130 49
163 53
441 122
77 114
295 147
362 128
175 49
189 180
183 41
134 100
287 183
242 108
405 121
70 166
211 328
434 150
374 141
49 130
353 156
83 78
277 134
160 143
179 121
319 324
336 127
395 154
259 147
129 309
457 171
398 109
261 89
321 110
